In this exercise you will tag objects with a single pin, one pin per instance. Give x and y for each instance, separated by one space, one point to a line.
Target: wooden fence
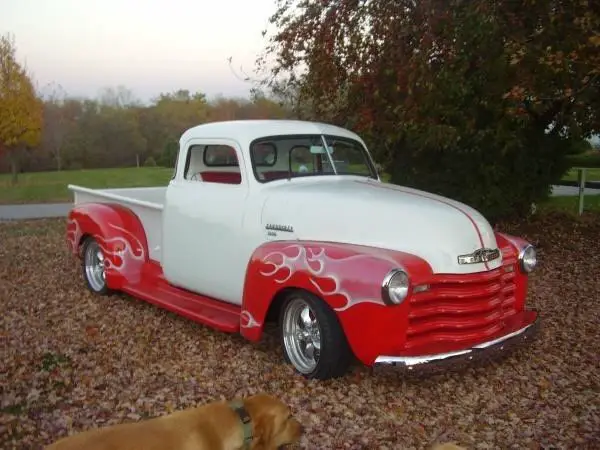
581 184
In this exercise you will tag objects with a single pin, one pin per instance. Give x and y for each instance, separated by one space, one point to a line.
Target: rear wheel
312 338
93 266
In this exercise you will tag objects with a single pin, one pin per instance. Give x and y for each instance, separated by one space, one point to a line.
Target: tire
92 265
323 339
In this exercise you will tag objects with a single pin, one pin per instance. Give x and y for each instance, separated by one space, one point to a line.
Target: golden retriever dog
258 422
447 446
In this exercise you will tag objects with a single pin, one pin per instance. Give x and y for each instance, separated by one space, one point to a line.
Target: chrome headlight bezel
391 293
525 259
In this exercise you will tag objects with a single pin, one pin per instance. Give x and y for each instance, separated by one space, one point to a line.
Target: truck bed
151 197
146 202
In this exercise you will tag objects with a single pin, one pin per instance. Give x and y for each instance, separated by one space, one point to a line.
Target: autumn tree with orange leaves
478 100
20 109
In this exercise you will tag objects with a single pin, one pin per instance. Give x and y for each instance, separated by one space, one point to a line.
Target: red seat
275 174
222 177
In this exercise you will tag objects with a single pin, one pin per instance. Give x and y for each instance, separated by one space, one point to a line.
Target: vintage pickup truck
288 221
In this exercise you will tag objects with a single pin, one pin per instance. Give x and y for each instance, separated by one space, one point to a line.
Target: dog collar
246 420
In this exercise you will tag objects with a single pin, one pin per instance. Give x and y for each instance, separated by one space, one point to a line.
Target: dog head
447 446
272 422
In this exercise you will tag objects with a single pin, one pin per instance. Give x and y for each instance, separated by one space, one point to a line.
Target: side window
175 168
213 163
220 156
173 151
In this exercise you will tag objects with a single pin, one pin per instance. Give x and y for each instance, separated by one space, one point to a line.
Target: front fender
347 277
521 279
119 233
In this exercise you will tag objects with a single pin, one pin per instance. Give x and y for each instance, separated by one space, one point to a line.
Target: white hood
367 212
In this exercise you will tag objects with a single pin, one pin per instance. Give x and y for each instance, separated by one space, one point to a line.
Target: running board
154 289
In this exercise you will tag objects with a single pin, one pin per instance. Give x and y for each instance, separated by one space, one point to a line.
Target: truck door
202 221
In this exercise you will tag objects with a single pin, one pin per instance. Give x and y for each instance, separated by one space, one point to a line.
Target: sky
149 46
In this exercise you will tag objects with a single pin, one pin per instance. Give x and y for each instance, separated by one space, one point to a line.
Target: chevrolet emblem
479 256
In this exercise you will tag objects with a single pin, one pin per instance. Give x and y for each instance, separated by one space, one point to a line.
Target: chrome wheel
94 266
301 335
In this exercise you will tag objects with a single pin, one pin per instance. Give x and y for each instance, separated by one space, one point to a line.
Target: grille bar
463 307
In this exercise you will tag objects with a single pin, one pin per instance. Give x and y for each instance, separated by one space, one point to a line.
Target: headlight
395 287
528 259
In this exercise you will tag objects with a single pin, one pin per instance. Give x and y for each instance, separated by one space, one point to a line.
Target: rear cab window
213 163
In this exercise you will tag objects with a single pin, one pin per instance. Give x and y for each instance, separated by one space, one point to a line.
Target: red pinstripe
382 186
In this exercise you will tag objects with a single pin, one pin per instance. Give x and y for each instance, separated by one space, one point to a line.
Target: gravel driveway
34 211
71 360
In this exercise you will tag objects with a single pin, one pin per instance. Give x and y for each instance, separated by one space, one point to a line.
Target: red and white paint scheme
289 221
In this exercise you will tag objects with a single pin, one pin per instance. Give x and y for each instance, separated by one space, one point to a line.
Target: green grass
47 187
570 204
590 175
385 177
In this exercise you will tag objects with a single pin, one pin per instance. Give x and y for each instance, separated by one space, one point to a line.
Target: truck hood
368 212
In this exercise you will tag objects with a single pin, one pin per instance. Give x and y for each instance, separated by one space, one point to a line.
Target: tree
119 141
554 50
20 108
169 116
476 100
79 144
56 122
224 109
119 97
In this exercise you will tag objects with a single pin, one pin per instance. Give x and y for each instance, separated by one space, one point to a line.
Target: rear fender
347 277
119 233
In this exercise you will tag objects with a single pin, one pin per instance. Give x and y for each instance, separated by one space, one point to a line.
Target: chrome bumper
484 351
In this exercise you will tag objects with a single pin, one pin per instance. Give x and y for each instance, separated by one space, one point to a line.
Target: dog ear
263 432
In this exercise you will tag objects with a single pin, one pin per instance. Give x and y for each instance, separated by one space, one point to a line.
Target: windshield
278 157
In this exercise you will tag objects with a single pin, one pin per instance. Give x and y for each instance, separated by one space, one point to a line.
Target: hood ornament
479 256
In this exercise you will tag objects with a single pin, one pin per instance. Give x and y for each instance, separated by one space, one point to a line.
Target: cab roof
245 131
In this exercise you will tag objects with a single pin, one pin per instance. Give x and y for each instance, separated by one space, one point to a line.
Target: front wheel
312 338
93 266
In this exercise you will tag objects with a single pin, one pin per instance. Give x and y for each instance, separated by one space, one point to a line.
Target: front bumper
488 350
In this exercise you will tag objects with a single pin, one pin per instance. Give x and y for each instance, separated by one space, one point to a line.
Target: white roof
245 131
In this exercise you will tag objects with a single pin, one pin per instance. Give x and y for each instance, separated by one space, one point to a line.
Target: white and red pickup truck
288 221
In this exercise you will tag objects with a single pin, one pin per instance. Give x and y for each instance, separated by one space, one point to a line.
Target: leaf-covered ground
71 361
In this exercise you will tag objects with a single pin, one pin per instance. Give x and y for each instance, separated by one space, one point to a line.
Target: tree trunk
58 160
14 167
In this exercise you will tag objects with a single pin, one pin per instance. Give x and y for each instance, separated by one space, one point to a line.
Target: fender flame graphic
73 235
127 254
357 278
247 320
128 250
